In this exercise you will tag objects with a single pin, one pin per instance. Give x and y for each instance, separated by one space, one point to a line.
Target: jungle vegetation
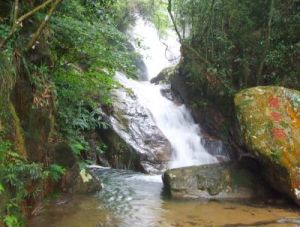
66 52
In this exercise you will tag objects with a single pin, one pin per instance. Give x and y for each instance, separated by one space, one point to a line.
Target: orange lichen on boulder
295 116
269 118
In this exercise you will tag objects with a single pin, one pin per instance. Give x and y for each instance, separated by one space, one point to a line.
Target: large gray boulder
134 141
213 181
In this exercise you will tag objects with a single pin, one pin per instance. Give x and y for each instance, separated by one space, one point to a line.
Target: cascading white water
157 53
174 120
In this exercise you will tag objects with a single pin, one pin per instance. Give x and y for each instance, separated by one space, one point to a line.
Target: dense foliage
88 49
58 59
67 52
63 56
241 43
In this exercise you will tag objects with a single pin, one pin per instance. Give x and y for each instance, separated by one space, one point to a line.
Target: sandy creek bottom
134 199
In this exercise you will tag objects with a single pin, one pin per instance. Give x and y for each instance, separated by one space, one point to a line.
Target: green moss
19 137
275 155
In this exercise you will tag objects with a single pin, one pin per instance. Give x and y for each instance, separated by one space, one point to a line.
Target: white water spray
174 120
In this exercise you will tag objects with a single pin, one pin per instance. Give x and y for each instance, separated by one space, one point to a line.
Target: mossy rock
214 181
80 181
164 76
269 119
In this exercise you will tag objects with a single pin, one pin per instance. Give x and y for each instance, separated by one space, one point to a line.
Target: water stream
174 120
135 199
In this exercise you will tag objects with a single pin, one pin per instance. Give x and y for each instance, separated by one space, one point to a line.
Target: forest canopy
243 43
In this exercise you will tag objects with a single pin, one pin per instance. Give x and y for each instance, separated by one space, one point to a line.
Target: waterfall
175 121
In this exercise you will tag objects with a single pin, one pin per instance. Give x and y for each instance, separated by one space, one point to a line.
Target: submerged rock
213 181
270 123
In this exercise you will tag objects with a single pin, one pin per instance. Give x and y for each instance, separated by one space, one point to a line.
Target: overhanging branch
18 22
173 20
37 34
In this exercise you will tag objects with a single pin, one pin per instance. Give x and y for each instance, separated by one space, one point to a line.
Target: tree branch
18 22
173 20
30 13
268 39
14 25
16 11
37 34
196 53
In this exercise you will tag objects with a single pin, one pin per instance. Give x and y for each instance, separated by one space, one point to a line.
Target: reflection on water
134 199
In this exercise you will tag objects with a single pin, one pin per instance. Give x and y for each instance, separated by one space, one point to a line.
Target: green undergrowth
65 81
87 49
20 180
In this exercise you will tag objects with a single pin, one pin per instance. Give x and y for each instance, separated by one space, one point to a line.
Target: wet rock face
219 134
216 147
164 76
270 123
136 142
213 181
167 93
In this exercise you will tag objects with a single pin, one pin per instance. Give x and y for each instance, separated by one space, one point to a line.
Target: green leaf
11 221
77 147
1 189
56 171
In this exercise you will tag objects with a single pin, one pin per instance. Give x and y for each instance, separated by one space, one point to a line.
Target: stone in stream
213 181
75 180
80 181
269 119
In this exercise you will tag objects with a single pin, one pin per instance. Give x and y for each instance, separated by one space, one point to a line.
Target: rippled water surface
134 199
